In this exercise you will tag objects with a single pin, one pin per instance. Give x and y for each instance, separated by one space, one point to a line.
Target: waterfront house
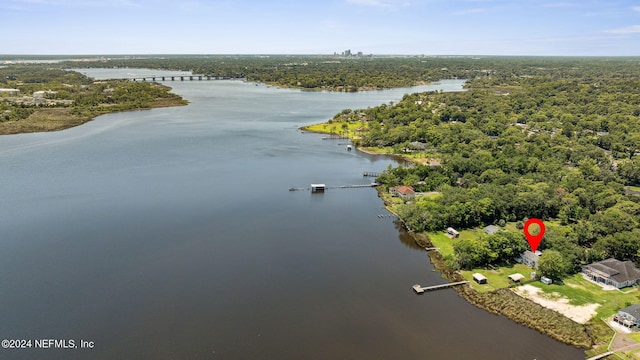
529 258
613 272
452 232
479 278
10 92
631 314
491 229
403 192
418 145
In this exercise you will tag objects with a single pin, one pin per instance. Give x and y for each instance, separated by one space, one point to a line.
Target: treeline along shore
555 139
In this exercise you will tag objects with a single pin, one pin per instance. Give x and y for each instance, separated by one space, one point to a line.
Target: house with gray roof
613 272
529 258
491 229
631 314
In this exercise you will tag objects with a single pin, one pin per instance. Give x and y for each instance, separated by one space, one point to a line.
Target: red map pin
534 240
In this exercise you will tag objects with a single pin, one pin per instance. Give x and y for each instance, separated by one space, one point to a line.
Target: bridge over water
180 77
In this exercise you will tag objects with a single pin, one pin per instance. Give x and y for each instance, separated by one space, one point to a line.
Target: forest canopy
559 142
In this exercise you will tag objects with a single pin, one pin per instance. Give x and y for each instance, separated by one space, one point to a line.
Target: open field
580 292
336 127
578 313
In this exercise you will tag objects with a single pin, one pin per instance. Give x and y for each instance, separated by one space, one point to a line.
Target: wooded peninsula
554 139
36 98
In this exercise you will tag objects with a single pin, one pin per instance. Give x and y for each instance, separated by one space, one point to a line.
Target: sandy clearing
578 313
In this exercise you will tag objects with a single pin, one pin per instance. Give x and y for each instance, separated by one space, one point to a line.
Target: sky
411 27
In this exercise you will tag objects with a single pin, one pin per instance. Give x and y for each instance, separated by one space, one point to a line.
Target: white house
631 314
10 92
613 272
403 192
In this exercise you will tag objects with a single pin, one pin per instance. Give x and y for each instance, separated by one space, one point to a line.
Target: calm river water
171 233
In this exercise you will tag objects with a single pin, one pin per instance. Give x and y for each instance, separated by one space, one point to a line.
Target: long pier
420 289
176 78
353 186
370 174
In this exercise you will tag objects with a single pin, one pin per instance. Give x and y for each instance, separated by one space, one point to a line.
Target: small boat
349 147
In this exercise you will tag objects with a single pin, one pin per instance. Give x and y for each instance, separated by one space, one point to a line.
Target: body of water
171 233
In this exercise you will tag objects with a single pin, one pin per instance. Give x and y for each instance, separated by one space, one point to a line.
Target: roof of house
531 256
418 145
620 271
404 190
491 229
479 276
516 277
633 310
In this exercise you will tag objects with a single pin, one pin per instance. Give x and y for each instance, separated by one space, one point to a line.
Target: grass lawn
580 292
634 188
496 278
445 244
635 336
335 127
632 354
441 240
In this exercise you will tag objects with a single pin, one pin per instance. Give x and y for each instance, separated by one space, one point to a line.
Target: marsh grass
523 311
59 118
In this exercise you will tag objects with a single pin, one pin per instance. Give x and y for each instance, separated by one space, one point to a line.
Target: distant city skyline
408 27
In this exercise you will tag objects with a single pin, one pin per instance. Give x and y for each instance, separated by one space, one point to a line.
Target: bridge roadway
176 78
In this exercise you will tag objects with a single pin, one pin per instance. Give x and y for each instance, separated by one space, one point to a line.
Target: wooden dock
420 289
335 137
353 186
431 248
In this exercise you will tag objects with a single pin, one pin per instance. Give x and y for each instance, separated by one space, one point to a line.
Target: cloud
635 8
386 4
634 29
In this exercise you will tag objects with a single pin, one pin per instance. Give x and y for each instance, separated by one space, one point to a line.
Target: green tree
552 265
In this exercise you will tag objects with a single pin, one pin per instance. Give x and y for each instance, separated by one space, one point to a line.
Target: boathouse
453 233
318 187
479 278
517 277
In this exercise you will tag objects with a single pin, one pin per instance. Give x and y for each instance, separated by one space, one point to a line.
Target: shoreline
499 302
62 118
506 302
